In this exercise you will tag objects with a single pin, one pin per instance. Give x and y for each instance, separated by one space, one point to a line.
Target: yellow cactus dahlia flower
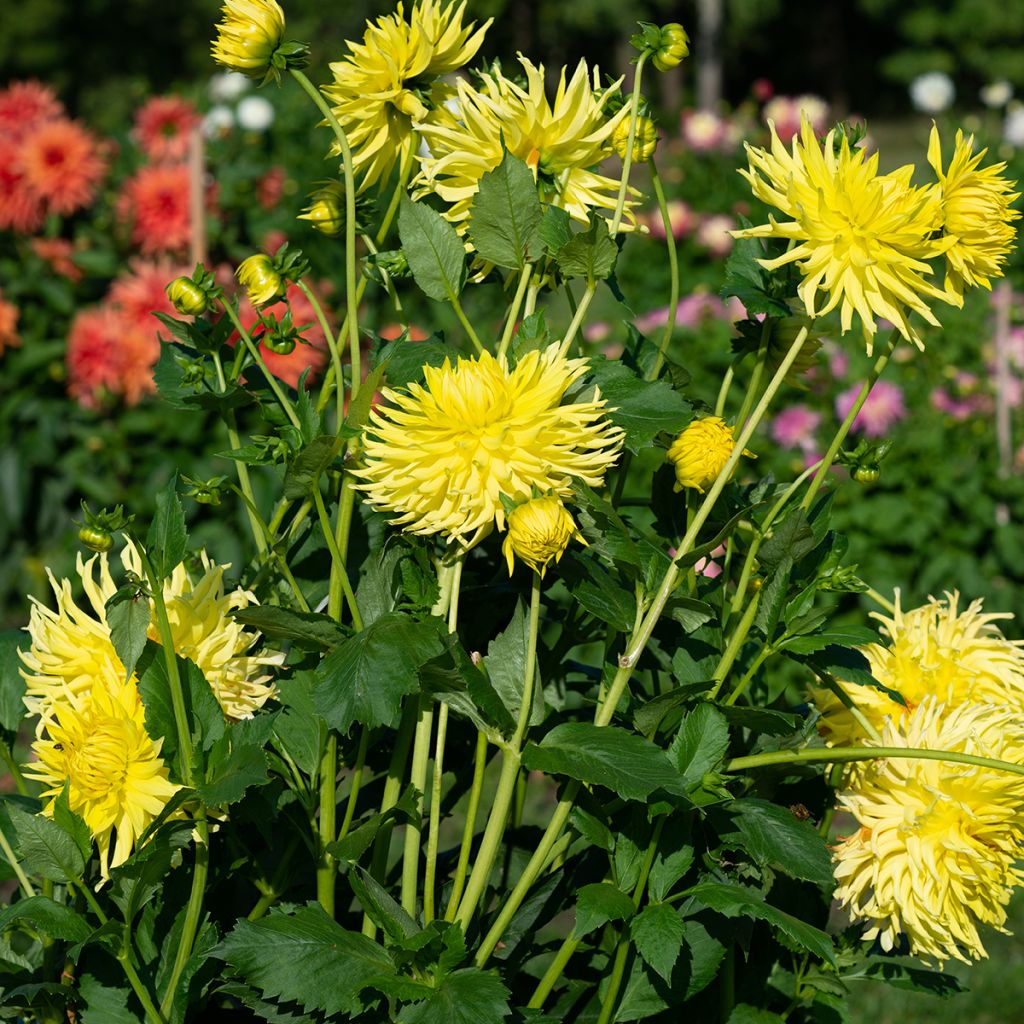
71 654
441 455
561 140
935 651
861 237
933 856
97 744
539 531
701 451
977 214
379 89
248 35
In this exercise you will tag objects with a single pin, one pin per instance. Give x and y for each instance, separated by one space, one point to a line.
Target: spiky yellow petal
701 451
248 34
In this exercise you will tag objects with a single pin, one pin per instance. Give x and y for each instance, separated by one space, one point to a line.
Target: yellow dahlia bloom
378 90
861 237
701 451
248 35
539 531
71 654
561 141
933 857
935 651
976 213
441 455
117 783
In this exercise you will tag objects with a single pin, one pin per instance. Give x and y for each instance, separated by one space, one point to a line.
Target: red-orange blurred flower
141 292
57 252
270 188
20 209
163 127
9 337
108 356
63 165
23 105
389 332
311 351
155 202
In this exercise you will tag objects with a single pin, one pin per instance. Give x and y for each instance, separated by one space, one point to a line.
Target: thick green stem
578 317
842 755
328 823
673 266
732 650
844 428
469 828
513 312
554 971
434 830
414 829
497 819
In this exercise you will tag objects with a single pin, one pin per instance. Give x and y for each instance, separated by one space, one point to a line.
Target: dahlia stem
735 645
332 346
723 391
357 783
254 351
469 828
673 264
844 427
192 913
12 859
760 658
843 755
531 298
510 759
578 317
554 971
627 160
513 311
339 578
464 320
755 377
328 821
606 709
351 299
414 829
240 467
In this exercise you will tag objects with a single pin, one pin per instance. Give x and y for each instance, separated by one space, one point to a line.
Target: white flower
1013 126
255 114
219 121
227 86
997 94
932 92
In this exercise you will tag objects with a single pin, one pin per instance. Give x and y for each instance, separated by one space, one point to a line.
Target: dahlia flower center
53 156
100 764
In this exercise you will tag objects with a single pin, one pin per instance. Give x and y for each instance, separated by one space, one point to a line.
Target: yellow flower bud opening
539 531
326 212
247 36
187 297
701 451
261 281
645 139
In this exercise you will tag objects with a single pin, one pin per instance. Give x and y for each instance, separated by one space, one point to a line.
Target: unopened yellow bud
187 297
645 139
539 531
701 451
326 212
260 280
675 45
248 34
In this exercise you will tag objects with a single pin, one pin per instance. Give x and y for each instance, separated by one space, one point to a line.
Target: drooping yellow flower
701 451
261 281
97 743
935 651
977 214
248 35
933 857
71 654
539 531
562 141
441 455
861 237
381 88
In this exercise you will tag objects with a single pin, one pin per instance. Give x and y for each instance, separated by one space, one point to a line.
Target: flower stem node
645 139
539 531
701 451
249 40
668 44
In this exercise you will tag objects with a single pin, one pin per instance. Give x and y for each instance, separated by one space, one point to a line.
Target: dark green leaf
607 756
643 409
673 859
435 252
299 727
744 1013
166 539
237 762
772 599
775 838
598 904
136 882
600 594
505 215
306 468
912 976
700 745
841 636
791 539
406 359
736 900
45 847
378 905
365 678
590 254
659 933
531 334
309 630
12 686
306 958
469 996
71 823
555 229
748 281
648 717
44 915
104 1004
774 723
128 618
506 667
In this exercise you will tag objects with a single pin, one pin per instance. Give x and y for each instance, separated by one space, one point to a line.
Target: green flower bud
673 46
867 474
187 297
96 539
279 344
